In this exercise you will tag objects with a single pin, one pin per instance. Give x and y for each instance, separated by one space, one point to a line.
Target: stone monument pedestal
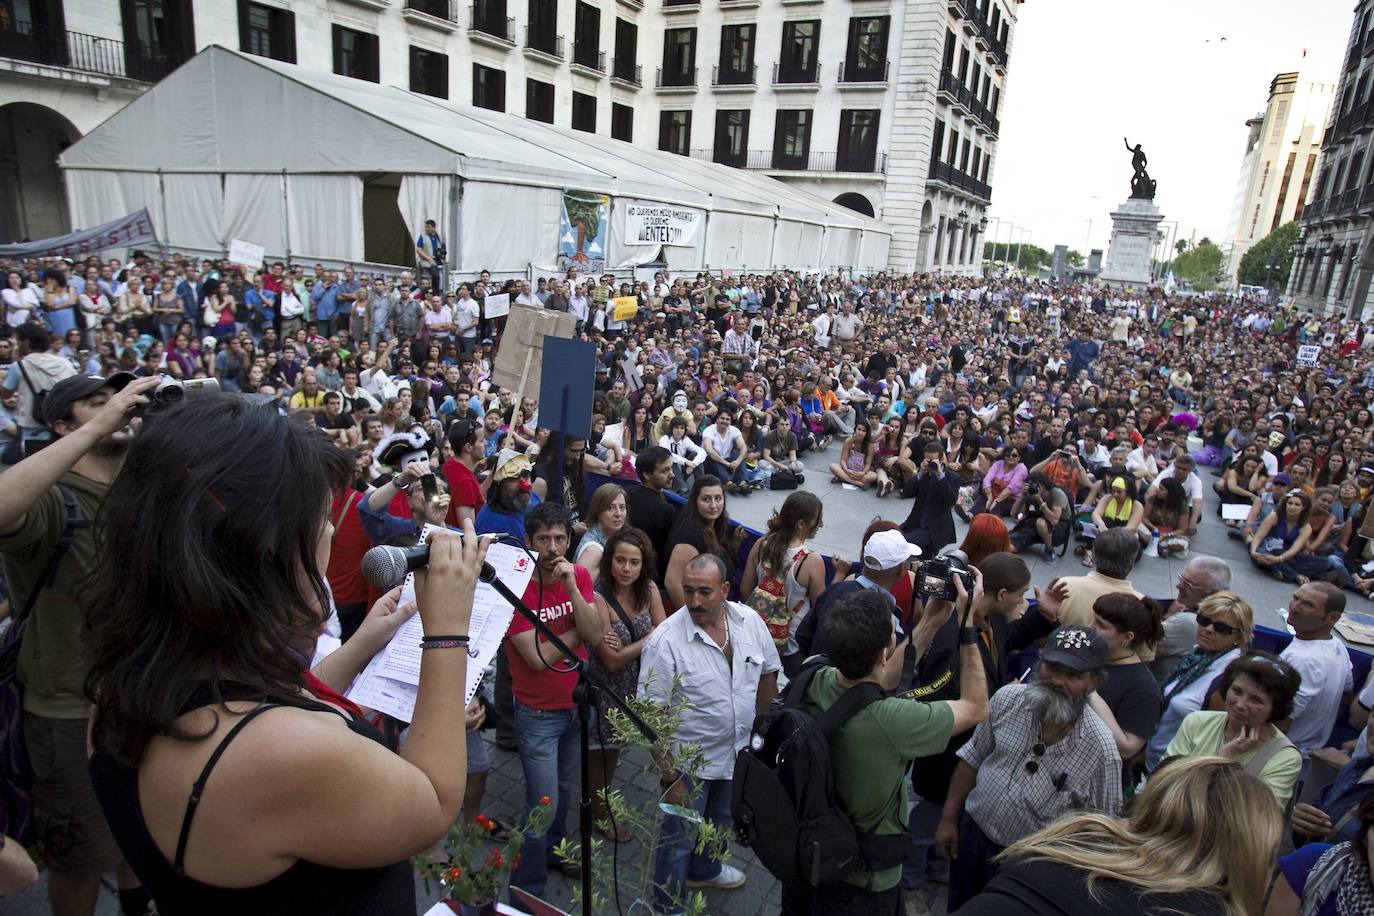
1135 226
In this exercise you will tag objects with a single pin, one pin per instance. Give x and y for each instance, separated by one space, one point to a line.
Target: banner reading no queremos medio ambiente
660 224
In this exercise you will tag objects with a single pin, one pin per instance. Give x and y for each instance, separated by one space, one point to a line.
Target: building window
963 64
1283 190
489 88
267 31
953 147
584 112
950 44
622 122
587 36
937 140
792 139
857 150
797 62
865 60
963 162
539 101
159 36
428 72
737 54
732 137
626 51
987 160
489 17
1306 183
542 32
679 57
355 55
675 131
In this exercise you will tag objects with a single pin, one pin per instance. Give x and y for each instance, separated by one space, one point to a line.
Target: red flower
496 859
546 800
515 862
455 873
485 823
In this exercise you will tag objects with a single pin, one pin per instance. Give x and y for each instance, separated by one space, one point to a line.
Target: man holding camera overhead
46 508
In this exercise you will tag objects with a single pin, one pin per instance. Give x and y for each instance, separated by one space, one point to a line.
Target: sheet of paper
393 675
1235 511
497 305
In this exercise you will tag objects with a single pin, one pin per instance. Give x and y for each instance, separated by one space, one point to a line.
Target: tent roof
204 118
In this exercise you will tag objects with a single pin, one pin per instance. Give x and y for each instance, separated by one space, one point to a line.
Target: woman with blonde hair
1198 840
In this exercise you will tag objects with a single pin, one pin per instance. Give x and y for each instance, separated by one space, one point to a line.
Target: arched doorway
33 201
856 202
927 233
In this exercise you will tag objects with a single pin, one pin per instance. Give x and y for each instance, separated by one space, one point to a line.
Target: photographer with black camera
935 488
47 505
1043 513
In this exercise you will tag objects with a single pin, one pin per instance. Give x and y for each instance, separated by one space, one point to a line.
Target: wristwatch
396 482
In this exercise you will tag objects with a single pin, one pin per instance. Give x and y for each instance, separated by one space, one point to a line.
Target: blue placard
568 369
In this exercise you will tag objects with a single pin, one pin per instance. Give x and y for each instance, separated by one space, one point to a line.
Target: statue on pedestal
1142 185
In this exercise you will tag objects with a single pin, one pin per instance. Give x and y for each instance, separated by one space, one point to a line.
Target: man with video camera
47 505
935 488
1043 513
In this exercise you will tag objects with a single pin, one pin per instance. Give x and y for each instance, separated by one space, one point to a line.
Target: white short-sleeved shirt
1192 484
1326 677
680 662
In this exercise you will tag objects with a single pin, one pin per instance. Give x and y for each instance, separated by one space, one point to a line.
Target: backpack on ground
769 598
783 793
16 774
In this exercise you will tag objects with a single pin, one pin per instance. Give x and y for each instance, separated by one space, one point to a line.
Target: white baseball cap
888 550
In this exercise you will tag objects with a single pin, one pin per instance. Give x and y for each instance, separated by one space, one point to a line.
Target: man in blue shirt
1332 819
324 301
429 254
381 525
1083 352
510 497
884 563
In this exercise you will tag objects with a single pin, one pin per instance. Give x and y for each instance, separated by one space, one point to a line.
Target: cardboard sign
520 360
246 254
1307 354
624 308
1329 340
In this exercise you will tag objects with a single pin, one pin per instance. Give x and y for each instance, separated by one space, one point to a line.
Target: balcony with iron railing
487 23
855 73
82 53
730 78
439 9
588 59
540 41
957 8
763 160
676 80
627 71
948 175
797 77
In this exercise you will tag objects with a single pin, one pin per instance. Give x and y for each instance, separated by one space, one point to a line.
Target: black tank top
304 888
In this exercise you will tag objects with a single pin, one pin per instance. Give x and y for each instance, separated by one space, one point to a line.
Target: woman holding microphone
233 781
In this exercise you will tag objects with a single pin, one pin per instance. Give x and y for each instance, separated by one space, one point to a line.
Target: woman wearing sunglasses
1225 628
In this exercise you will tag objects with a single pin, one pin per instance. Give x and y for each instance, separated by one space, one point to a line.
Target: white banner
134 229
496 306
661 225
1307 354
246 254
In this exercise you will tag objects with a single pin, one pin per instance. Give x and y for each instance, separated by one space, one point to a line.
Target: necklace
726 644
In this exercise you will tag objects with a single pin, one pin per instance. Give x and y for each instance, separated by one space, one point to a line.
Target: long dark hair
800 508
648 570
716 534
202 544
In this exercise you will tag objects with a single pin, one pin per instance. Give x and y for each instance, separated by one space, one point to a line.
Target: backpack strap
847 706
70 526
349 500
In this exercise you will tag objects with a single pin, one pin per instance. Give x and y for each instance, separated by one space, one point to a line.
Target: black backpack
783 798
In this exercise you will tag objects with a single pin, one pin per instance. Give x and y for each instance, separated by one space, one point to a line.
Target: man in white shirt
725 452
466 317
527 297
1321 659
1182 469
715 663
846 326
820 327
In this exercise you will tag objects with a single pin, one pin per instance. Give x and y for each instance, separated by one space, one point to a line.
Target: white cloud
1085 73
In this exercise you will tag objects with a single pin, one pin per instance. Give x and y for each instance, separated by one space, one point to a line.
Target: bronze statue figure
1142 185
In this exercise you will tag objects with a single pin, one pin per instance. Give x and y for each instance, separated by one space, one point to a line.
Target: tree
1200 265
1269 260
1074 258
1181 246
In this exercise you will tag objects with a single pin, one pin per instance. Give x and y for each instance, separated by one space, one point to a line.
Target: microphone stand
588 693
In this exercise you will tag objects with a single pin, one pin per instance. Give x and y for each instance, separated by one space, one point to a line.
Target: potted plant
474 869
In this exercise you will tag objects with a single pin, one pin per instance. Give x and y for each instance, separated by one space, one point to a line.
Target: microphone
384 566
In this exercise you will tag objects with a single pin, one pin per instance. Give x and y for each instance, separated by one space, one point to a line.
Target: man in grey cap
47 504
1039 755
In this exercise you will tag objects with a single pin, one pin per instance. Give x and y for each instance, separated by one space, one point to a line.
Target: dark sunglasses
1221 629
1032 766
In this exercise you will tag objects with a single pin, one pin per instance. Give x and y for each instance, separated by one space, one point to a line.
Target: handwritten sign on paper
391 680
497 305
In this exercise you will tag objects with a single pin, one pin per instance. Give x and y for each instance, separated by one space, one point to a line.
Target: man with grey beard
1039 755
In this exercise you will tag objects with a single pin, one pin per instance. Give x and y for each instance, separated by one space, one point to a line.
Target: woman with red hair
987 534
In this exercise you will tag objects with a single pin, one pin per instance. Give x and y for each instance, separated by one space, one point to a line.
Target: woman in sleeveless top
1281 536
232 780
630 608
607 513
782 553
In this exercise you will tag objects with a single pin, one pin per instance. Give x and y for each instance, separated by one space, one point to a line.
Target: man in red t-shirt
465 493
545 717
344 573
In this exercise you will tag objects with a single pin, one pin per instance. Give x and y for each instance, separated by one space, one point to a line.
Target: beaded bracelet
444 642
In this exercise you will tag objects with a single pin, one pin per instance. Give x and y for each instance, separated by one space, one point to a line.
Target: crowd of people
1147 759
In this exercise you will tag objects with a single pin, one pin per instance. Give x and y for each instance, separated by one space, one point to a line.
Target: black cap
57 403
1075 648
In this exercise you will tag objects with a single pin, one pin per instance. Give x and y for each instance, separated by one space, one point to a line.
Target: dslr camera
935 577
1032 488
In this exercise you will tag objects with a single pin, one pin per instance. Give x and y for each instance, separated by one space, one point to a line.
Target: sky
1085 73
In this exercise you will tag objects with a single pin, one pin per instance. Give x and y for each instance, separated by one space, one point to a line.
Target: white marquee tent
317 166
